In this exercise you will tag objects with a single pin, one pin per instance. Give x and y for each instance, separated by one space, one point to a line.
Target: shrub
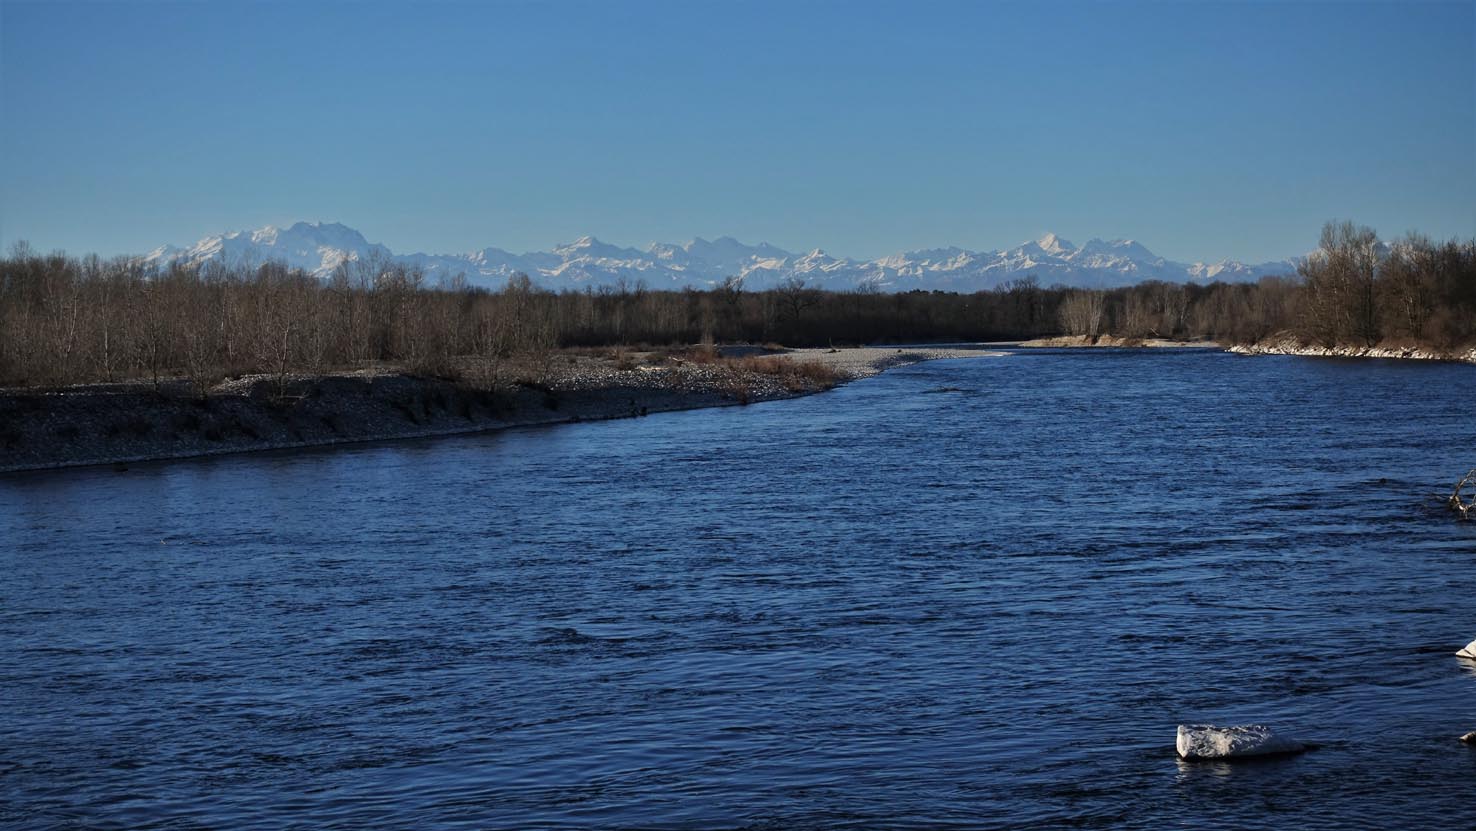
796 376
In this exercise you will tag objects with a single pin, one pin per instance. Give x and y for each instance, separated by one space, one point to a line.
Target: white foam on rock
1204 741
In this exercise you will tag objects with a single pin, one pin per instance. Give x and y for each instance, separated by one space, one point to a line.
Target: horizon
1221 131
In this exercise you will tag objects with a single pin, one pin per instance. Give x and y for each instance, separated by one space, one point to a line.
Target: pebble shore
122 424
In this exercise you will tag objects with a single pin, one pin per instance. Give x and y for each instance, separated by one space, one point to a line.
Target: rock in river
1203 741
1467 651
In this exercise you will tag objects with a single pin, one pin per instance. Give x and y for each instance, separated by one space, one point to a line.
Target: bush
797 376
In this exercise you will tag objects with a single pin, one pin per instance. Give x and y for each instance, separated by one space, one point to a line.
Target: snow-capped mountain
317 247
322 248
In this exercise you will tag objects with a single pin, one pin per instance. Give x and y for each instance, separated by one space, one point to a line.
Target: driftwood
1459 503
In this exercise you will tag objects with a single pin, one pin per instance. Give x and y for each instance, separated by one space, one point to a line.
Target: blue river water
972 593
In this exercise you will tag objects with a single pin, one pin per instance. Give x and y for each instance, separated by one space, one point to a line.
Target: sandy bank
865 361
124 423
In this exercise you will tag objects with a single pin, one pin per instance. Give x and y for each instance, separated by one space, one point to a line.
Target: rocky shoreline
120 424
1115 342
1290 346
1275 345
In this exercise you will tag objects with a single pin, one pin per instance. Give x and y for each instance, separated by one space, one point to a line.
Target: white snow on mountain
317 247
323 248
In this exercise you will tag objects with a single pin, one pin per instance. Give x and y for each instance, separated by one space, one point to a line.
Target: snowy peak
1119 248
307 235
591 248
1054 245
818 260
315 247
328 234
322 247
731 257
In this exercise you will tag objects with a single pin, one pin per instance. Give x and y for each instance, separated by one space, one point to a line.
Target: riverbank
857 362
1275 345
1285 345
125 423
1115 342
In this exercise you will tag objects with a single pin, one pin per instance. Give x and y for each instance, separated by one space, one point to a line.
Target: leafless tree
1339 276
65 321
1082 312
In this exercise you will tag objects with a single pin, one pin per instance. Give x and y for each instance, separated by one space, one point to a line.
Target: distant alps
321 248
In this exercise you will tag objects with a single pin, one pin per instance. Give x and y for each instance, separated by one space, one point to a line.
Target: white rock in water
1204 741
1467 651
1469 738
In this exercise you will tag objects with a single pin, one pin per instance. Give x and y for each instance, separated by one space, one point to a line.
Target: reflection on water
873 607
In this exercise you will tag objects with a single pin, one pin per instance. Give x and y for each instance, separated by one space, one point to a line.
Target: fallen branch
1460 504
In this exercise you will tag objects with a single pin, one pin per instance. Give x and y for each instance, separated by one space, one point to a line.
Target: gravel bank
1290 346
1114 342
125 423
865 361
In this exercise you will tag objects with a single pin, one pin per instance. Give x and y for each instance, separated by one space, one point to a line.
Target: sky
1203 130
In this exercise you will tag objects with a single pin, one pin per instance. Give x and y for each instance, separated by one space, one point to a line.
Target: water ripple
879 607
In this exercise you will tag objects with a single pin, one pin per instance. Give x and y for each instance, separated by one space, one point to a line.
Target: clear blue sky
1204 130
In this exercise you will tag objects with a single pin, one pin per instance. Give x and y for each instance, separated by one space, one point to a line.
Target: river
967 593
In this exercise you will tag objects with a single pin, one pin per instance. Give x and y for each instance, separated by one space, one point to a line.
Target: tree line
66 320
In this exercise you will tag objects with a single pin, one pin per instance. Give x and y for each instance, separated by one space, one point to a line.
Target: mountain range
321 248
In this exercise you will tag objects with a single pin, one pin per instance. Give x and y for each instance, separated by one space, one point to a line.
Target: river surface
971 593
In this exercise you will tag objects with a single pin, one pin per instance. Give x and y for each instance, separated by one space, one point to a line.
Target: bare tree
794 297
1407 285
1082 312
65 320
1340 282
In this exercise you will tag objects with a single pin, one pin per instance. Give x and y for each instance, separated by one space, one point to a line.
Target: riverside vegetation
67 321
214 358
